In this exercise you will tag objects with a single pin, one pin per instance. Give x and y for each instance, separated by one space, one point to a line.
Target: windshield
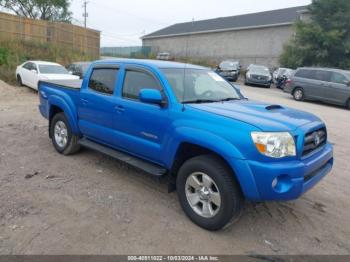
52 69
199 85
259 70
229 65
347 74
288 72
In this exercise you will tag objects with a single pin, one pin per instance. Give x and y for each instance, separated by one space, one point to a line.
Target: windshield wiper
199 101
229 99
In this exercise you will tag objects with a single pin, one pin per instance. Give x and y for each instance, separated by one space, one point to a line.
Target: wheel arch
298 87
58 105
187 150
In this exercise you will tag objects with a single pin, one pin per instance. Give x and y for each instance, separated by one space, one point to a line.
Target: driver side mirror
34 71
151 96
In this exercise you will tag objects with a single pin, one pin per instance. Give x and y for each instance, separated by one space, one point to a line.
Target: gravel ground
92 204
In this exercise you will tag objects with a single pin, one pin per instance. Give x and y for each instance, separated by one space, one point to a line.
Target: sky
123 22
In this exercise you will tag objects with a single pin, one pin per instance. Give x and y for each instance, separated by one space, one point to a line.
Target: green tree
322 41
52 10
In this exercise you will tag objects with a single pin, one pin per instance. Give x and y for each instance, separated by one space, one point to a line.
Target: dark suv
229 70
258 75
321 84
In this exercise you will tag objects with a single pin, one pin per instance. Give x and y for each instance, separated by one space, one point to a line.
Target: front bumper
229 75
283 180
258 82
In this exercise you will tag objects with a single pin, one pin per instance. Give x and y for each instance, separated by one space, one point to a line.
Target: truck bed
72 84
68 92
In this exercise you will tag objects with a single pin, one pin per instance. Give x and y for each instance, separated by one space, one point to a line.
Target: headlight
274 144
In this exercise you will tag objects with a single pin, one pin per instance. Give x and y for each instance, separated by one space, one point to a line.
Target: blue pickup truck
216 147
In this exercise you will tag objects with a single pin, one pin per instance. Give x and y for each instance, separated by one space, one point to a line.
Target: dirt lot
92 204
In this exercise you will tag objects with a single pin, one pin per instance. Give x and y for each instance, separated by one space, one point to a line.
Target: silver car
320 84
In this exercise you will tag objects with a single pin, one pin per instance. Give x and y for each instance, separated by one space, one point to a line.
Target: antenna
185 67
85 14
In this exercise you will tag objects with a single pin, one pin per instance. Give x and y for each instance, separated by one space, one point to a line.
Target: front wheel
64 141
208 192
298 94
19 80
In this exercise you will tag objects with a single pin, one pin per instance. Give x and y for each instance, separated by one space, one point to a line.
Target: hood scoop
274 107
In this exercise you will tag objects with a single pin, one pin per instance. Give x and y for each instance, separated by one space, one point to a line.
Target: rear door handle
84 100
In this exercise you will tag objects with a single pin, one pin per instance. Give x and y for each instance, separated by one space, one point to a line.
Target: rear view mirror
151 96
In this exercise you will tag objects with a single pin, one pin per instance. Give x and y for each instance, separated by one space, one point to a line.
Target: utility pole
85 14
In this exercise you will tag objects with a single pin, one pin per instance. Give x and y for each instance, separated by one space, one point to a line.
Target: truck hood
266 117
58 77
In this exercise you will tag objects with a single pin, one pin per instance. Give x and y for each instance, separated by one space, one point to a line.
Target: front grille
314 140
259 77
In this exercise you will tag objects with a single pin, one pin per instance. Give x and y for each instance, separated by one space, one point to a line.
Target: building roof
262 19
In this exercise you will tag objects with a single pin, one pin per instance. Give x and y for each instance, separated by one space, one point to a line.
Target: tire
19 80
70 144
298 94
223 184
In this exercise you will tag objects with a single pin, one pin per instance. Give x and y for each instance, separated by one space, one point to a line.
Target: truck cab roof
151 63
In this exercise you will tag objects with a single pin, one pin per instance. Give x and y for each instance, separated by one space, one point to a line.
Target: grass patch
15 52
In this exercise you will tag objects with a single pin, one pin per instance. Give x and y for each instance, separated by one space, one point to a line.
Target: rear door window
305 73
103 80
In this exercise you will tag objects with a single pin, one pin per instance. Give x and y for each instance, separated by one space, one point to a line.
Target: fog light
274 183
282 184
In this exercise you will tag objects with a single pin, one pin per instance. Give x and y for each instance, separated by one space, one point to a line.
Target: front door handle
120 109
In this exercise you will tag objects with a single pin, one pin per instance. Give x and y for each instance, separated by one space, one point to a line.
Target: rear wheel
208 193
64 141
19 80
298 94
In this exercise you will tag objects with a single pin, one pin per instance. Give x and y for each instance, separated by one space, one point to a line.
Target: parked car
284 78
164 56
279 72
78 68
321 84
229 70
187 122
31 72
258 75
